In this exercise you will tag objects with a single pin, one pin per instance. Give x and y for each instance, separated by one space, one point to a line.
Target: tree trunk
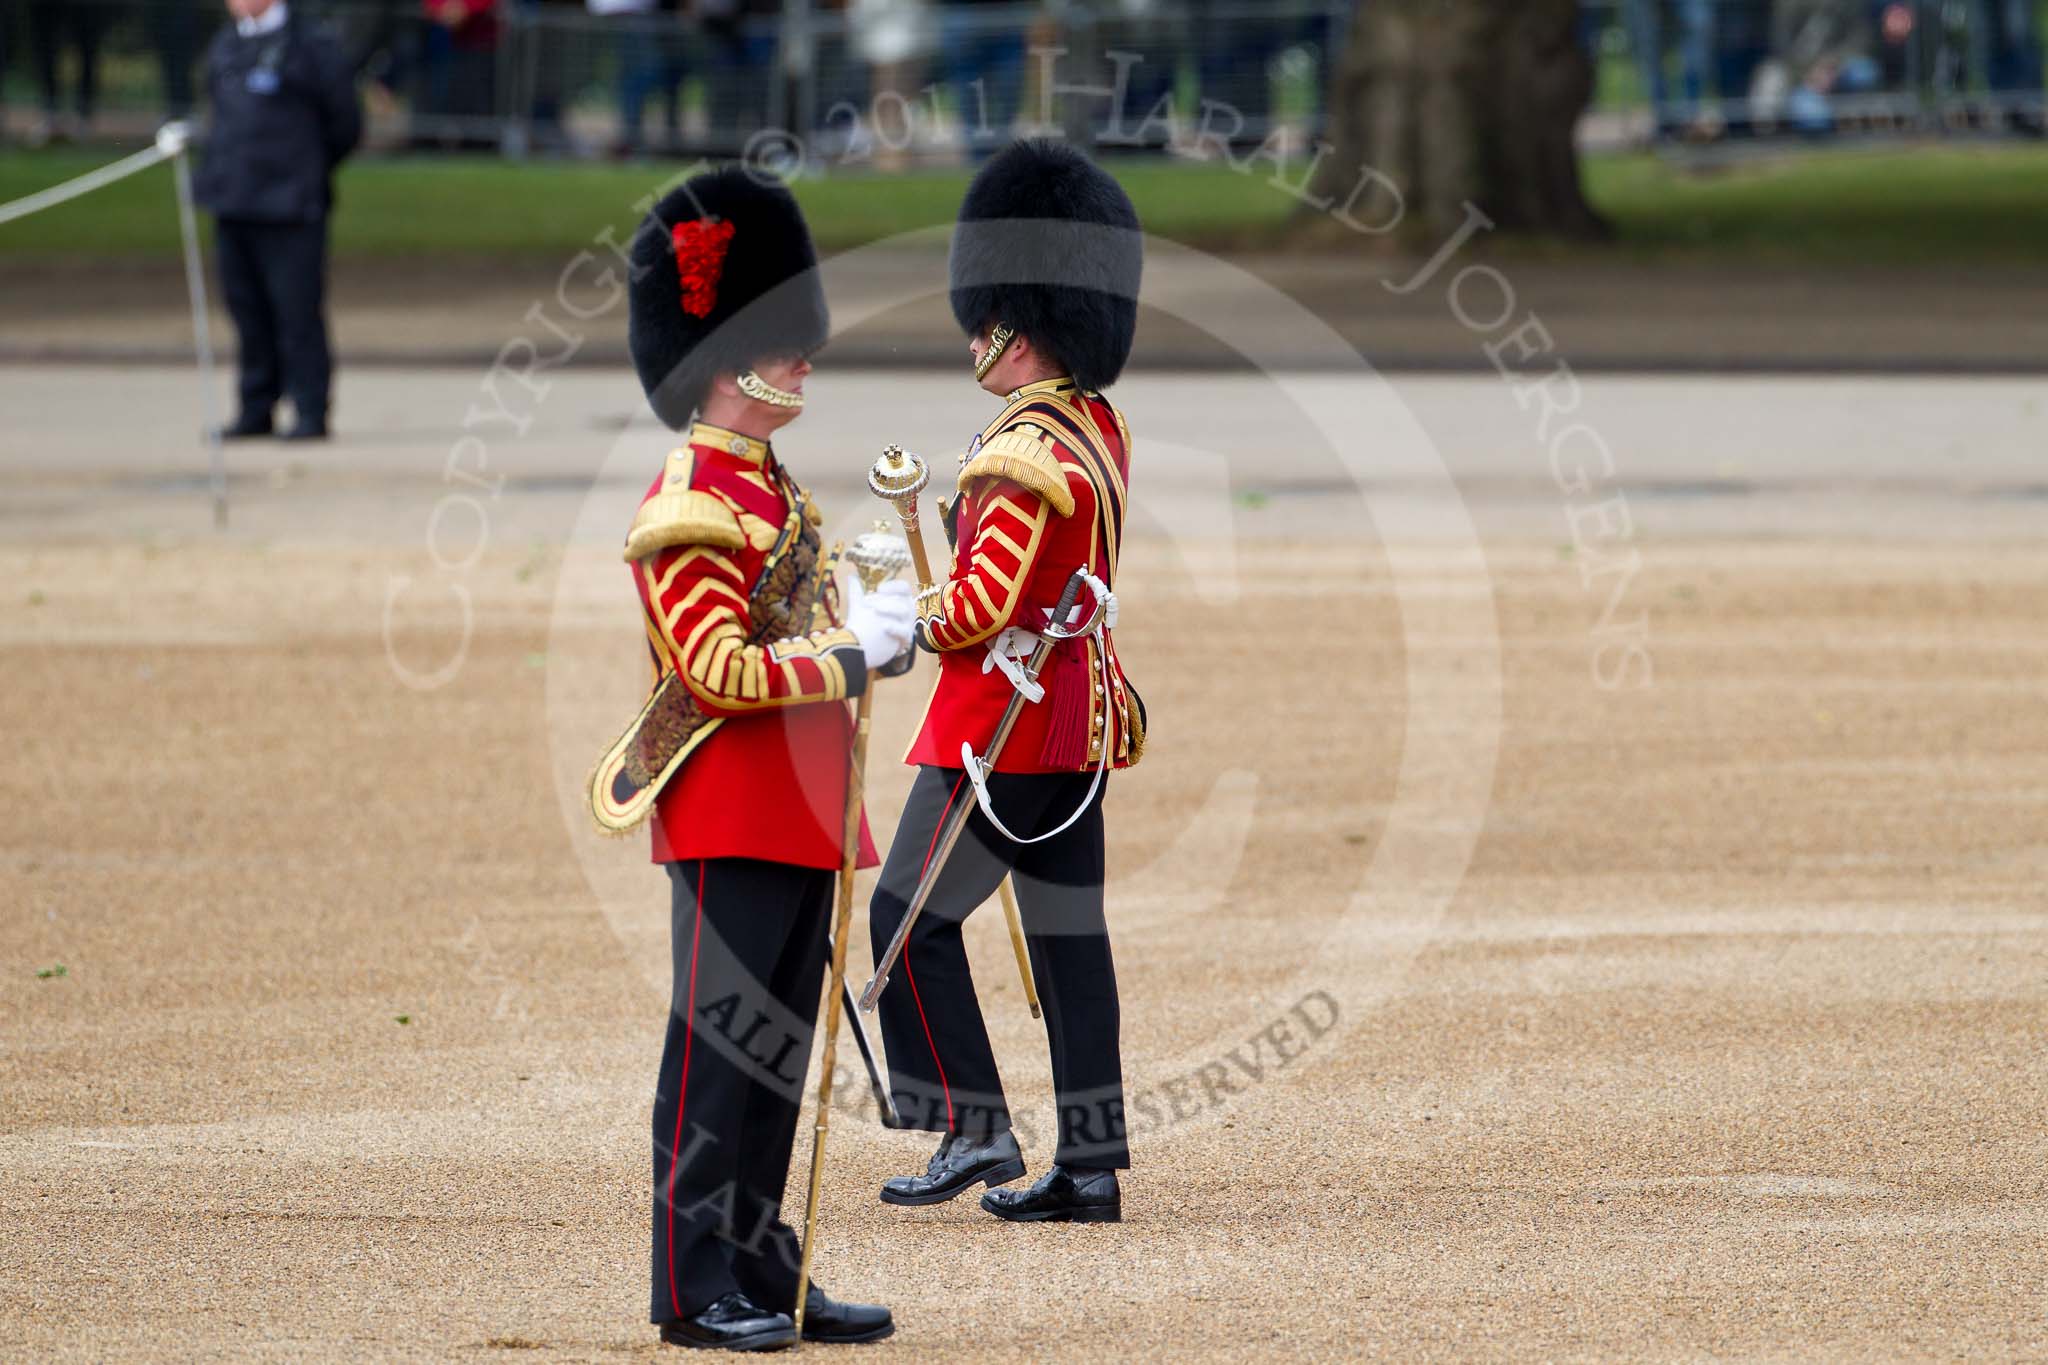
1440 103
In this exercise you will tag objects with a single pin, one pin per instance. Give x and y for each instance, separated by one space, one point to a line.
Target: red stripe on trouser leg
911 978
675 1147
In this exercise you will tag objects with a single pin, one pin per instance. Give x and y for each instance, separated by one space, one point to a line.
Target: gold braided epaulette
687 516
1023 454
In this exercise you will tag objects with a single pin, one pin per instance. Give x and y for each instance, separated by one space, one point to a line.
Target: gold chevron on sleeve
980 589
712 561
1024 455
992 534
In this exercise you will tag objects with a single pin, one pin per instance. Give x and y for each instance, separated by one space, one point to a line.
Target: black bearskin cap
1048 243
753 280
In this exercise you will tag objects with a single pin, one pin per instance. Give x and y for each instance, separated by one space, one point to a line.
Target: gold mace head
898 475
878 556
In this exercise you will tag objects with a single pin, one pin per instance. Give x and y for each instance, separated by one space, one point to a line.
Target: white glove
881 620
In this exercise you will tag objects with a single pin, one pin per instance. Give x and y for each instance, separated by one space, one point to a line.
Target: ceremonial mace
876 557
897 478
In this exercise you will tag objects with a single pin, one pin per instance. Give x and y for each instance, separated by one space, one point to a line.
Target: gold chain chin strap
998 342
761 391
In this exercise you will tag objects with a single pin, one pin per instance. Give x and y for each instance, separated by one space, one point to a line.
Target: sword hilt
1068 596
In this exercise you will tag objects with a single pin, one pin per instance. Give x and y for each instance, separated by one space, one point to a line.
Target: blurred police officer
284 115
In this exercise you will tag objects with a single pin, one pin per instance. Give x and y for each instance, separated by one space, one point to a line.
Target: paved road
87 450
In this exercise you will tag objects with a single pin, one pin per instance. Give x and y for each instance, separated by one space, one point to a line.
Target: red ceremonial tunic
1015 551
770 782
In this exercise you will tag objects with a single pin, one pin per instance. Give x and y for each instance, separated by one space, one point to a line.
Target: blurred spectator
1237 62
174 32
982 50
893 38
1650 28
284 114
1238 46
1820 48
1742 42
50 22
551 55
459 60
739 62
1156 34
2012 54
1895 24
650 61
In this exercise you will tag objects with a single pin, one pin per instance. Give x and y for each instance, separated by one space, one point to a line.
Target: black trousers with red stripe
941 1068
748 940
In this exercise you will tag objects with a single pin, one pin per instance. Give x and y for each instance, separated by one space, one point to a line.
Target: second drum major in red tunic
1045 272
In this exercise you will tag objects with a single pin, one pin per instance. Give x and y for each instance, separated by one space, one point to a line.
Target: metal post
202 335
507 97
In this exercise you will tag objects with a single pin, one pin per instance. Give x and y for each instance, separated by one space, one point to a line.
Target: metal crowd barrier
1709 68
891 80
895 81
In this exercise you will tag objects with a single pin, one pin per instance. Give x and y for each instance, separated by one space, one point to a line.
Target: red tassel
1067 691
700 262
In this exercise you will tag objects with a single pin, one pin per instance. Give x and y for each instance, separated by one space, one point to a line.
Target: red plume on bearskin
700 260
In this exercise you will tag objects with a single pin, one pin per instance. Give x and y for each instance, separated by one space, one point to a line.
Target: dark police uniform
284 114
1041 494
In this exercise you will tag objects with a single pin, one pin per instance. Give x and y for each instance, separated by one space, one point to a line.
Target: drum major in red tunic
770 782
1042 493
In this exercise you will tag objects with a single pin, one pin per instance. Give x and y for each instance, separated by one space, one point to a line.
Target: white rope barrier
172 142
84 184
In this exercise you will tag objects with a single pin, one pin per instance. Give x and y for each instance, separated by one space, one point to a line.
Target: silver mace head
878 556
898 475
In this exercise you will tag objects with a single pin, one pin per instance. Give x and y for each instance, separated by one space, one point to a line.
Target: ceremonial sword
949 833
884 1101
897 478
1006 892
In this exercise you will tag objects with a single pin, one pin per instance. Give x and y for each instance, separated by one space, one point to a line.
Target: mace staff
1007 891
897 478
875 556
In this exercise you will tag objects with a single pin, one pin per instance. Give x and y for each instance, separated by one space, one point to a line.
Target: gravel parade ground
1567 909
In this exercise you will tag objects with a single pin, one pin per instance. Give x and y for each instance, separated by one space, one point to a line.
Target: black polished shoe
956 1166
247 426
307 429
1064 1194
827 1319
732 1323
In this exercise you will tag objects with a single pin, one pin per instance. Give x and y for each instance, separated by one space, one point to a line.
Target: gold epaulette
1023 454
687 516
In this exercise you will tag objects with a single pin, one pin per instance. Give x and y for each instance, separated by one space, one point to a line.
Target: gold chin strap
761 391
998 342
